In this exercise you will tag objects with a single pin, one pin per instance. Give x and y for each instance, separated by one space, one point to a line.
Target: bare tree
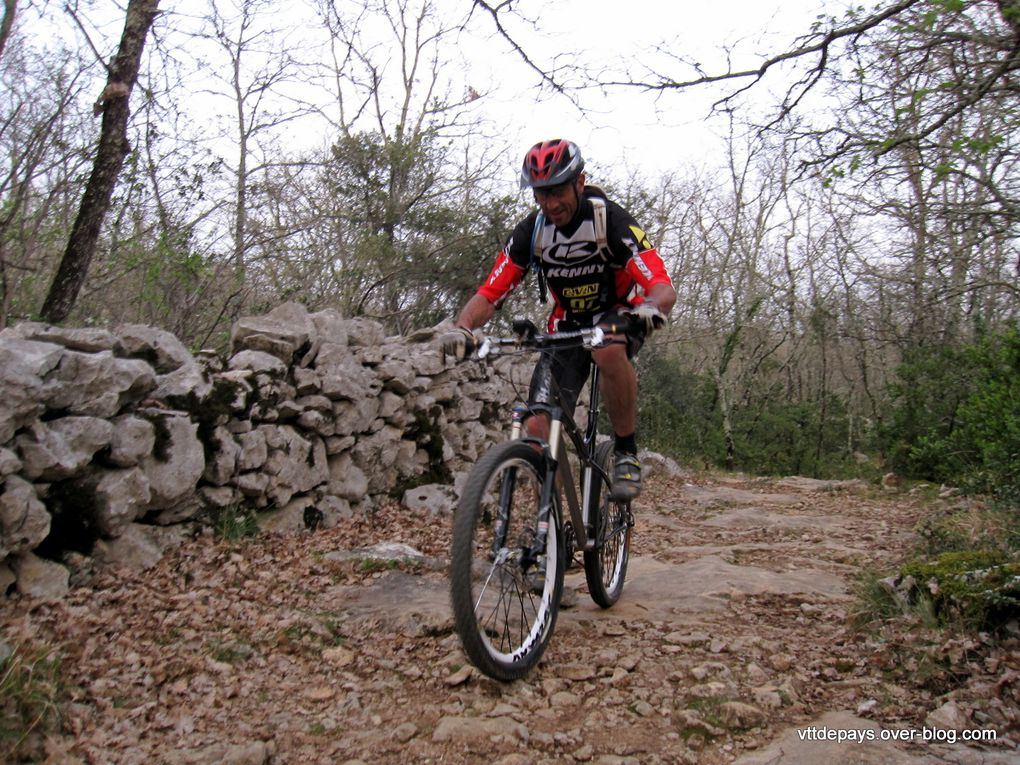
113 147
393 199
256 70
7 23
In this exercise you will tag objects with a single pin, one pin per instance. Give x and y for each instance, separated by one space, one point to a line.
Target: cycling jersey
585 279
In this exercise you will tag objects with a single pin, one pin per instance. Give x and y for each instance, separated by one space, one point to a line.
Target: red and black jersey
584 278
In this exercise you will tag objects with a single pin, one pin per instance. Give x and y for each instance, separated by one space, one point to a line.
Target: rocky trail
735 641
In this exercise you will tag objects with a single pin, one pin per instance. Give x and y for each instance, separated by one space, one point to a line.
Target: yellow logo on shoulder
641 237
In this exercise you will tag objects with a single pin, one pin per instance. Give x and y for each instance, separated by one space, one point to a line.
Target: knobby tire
504 625
605 566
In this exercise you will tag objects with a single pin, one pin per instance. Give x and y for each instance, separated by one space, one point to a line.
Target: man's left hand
648 315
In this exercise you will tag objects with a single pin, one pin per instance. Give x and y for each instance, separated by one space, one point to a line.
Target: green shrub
978 589
779 437
677 414
977 446
234 523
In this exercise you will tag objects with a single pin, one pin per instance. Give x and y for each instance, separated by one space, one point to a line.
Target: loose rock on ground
734 638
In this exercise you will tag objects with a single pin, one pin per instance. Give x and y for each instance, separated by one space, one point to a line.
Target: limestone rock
157 346
61 448
38 577
23 365
346 480
24 520
177 462
282 332
9 463
435 498
132 439
120 496
135 549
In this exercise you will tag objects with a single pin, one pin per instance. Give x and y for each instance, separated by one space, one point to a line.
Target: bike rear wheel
605 566
504 605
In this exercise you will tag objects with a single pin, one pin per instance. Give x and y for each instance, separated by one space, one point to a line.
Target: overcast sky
622 129
630 128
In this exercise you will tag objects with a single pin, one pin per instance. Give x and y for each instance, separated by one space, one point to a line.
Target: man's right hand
457 344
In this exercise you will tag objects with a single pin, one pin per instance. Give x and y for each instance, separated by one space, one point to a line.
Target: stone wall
112 439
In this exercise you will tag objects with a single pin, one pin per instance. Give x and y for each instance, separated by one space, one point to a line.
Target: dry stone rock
282 332
186 385
176 464
256 361
295 463
23 366
85 339
97 384
120 496
39 578
232 390
61 448
314 413
132 439
219 496
254 450
252 484
135 549
364 333
158 347
435 498
344 378
183 510
346 480
24 520
397 375
330 327
297 516
9 463
224 453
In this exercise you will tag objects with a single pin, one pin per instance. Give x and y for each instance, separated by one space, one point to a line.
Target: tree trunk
10 8
112 150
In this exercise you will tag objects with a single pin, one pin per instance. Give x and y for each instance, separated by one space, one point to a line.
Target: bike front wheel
605 566
505 603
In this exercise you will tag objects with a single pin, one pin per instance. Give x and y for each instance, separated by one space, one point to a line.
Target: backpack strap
601 237
536 255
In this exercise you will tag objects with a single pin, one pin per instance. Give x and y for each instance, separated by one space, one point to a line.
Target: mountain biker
597 265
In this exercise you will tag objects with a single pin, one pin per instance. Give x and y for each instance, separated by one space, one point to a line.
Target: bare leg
619 388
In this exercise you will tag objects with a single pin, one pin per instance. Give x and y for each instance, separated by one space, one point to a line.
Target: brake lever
596 340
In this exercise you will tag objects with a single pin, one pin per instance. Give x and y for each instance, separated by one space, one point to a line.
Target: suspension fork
548 494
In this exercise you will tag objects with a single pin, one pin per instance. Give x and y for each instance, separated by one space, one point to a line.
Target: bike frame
556 457
562 428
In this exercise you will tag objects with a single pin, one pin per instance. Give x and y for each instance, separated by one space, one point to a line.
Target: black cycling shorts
560 374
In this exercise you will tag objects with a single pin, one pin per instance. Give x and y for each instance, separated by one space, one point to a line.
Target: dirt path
733 643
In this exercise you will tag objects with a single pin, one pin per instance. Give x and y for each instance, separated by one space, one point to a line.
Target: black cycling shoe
626 478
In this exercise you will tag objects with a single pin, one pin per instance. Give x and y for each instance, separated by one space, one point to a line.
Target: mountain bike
512 540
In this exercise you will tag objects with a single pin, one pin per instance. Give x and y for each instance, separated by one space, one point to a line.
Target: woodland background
847 263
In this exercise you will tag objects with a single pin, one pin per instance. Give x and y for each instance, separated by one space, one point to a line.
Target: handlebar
528 337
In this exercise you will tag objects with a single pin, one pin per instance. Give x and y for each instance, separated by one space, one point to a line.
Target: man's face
559 203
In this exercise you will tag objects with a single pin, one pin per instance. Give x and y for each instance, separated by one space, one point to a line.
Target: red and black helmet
551 163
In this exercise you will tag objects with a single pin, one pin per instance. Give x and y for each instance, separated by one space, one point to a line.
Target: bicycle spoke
504 625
